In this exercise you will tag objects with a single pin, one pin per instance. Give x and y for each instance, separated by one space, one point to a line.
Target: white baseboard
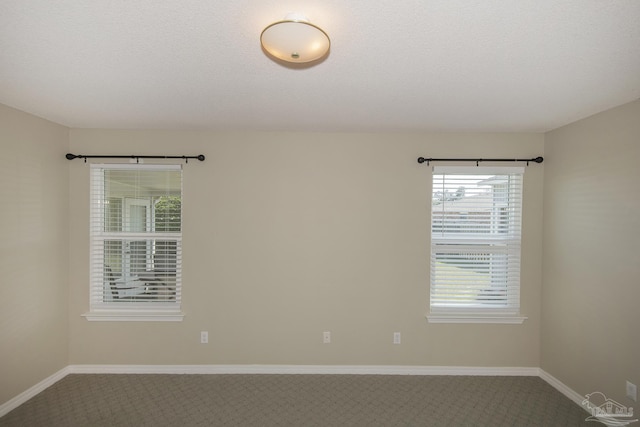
562 388
303 369
290 369
32 391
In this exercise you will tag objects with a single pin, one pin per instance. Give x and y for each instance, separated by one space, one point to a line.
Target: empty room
418 213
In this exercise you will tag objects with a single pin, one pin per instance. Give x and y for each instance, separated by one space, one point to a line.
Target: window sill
475 318
115 316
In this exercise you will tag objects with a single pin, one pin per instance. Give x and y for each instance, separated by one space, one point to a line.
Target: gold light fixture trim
295 39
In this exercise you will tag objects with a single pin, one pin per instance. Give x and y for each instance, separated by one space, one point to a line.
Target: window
475 245
135 242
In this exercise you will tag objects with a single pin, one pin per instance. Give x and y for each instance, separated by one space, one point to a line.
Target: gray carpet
297 400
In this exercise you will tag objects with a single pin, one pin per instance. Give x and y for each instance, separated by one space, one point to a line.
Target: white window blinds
136 238
475 239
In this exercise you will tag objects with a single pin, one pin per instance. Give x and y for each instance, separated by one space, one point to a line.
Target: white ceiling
412 65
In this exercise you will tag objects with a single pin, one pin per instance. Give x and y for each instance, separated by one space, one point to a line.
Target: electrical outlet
632 391
204 337
326 337
396 337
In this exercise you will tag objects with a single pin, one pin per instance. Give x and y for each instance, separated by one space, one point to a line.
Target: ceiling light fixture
295 39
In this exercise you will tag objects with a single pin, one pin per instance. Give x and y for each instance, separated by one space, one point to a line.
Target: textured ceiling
414 65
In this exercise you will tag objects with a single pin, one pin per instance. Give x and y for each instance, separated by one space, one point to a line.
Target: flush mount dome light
295 39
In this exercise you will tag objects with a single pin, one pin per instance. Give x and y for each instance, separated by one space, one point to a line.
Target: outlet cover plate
632 391
396 338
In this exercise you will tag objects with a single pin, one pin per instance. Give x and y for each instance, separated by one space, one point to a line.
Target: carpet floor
95 400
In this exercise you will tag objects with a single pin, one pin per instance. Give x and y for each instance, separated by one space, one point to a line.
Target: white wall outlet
632 391
396 337
204 337
326 337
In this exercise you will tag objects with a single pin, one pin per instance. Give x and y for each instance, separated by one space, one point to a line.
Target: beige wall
33 251
591 294
288 235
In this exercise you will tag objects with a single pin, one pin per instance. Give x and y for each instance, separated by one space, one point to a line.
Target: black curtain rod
70 156
429 160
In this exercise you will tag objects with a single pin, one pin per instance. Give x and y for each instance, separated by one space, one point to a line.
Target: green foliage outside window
168 210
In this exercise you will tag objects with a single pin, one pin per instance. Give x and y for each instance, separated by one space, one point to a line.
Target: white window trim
115 315
475 318
455 315
113 312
